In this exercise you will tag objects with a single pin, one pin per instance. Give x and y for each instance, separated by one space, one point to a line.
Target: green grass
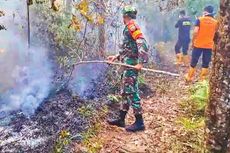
193 121
90 140
200 95
114 98
141 80
62 141
92 145
190 124
86 111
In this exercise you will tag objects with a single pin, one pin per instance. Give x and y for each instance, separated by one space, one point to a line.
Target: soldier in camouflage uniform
134 52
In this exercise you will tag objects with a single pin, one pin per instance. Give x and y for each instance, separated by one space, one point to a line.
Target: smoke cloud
85 77
25 73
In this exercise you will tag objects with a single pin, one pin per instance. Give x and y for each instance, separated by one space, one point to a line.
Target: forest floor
162 111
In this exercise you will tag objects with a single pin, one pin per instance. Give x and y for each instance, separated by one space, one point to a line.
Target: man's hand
138 67
111 58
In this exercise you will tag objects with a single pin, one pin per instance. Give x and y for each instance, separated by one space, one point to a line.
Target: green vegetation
193 121
90 140
86 111
141 80
200 94
114 98
58 34
92 145
62 141
195 7
191 124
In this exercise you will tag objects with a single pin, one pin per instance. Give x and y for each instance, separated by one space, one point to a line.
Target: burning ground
35 126
40 132
60 112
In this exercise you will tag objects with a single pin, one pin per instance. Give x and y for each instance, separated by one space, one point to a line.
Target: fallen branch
130 66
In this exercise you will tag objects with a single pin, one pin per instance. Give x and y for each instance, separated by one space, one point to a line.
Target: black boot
120 122
138 125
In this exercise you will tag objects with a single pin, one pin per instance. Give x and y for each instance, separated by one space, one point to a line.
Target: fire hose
129 66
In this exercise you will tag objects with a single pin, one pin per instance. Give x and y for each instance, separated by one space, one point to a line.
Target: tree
195 7
218 110
101 29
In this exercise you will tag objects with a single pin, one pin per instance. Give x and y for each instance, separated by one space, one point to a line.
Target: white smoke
25 73
85 77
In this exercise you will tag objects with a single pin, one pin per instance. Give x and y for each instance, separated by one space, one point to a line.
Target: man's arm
142 50
195 31
177 24
137 35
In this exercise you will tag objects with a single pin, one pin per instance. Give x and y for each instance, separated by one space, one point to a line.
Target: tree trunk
218 110
102 40
101 30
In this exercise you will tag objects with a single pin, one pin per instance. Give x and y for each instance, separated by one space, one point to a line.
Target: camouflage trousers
130 91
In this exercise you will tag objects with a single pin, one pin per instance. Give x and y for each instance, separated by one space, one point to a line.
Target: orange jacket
207 29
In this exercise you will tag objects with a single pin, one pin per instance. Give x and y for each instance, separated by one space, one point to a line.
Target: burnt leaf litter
68 112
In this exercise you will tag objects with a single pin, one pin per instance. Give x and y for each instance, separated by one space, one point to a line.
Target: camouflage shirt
134 47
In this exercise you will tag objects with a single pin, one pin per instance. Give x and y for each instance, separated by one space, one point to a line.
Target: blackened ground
39 133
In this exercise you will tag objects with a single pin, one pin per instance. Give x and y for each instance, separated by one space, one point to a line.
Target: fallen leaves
161 111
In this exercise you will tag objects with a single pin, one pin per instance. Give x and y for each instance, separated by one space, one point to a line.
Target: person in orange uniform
203 43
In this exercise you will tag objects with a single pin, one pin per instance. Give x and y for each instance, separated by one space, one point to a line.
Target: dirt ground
160 112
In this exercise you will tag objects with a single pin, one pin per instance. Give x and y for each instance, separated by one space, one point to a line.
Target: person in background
133 52
184 26
203 43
